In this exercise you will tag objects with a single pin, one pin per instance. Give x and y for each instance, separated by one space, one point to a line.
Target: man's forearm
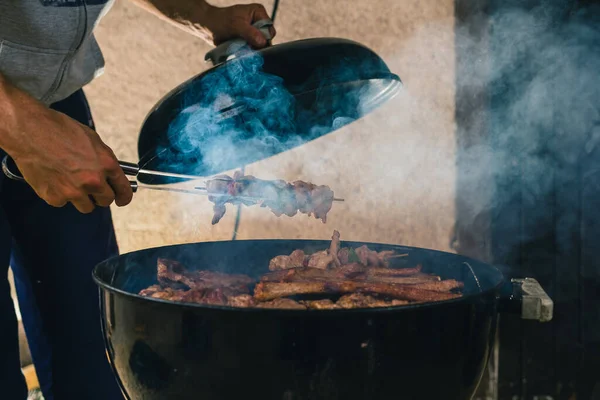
189 15
8 115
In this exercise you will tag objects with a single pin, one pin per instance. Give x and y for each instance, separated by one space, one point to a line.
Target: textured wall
395 167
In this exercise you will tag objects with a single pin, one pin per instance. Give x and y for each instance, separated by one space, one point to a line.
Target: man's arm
9 101
212 24
61 159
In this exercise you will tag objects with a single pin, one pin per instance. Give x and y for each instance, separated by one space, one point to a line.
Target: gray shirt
47 47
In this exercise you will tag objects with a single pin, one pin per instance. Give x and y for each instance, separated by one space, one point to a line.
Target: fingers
104 196
96 191
249 33
120 185
83 204
258 12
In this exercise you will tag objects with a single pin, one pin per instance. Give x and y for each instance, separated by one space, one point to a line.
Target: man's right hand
61 159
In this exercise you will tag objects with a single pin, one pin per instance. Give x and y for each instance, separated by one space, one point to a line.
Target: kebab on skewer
280 196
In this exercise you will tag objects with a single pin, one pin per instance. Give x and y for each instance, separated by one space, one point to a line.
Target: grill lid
261 103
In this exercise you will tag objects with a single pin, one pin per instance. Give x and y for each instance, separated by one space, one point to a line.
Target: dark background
552 236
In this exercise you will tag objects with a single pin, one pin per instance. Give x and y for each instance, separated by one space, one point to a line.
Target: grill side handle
526 297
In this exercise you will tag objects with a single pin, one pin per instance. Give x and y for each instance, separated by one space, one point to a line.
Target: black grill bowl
165 350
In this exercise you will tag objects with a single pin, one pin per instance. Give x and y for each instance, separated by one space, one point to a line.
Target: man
55 228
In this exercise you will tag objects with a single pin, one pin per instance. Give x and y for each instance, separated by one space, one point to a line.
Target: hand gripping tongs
131 169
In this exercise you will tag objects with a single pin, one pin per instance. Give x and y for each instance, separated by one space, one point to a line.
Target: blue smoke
238 113
237 103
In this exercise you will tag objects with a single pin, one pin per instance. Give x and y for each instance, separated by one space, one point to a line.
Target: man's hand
61 159
236 21
213 24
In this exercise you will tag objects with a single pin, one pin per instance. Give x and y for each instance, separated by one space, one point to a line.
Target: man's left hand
236 21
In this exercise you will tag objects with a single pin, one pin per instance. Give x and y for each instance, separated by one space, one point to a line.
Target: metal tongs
130 169
133 169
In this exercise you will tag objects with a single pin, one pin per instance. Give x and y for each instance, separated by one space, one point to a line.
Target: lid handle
222 52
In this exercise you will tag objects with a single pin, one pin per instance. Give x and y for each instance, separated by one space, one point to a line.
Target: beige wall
395 167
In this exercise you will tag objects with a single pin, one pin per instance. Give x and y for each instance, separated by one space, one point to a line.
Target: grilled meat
403 292
281 197
272 290
335 247
324 304
361 276
395 271
320 260
305 274
294 260
400 280
440 286
372 258
157 292
321 200
242 300
344 255
359 300
282 303
172 272
216 296
357 272
264 291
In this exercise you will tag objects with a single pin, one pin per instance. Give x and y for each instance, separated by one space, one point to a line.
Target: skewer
219 194
198 191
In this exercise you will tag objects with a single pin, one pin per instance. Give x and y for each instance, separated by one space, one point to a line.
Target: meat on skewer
280 196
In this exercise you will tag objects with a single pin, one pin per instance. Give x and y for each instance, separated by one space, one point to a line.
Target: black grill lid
261 103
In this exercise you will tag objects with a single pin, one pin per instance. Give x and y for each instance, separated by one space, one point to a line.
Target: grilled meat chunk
217 296
357 272
324 304
157 292
399 280
335 247
294 260
264 291
174 273
372 258
344 255
272 290
302 275
171 272
359 300
242 300
403 292
282 303
440 286
322 200
219 211
351 270
394 271
320 259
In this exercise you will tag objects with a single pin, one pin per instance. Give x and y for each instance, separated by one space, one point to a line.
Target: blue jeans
52 252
